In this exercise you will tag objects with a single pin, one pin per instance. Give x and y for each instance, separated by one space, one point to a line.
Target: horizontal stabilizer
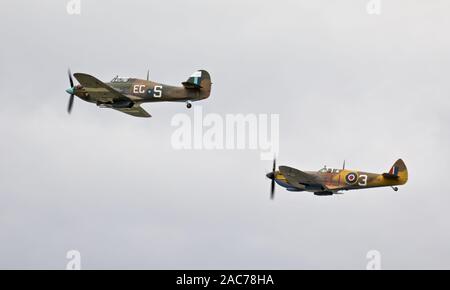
189 85
390 176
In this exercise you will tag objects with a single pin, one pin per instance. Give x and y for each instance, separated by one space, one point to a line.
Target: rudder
398 171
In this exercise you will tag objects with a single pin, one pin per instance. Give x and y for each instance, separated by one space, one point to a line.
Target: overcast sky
347 85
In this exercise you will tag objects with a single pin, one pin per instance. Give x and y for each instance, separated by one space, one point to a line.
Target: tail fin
398 171
199 80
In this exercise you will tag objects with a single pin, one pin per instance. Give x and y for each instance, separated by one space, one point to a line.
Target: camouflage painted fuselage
142 91
330 181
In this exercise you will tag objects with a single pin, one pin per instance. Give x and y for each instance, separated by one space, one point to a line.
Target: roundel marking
351 178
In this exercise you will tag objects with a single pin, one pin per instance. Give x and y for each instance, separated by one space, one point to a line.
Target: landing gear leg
188 105
395 188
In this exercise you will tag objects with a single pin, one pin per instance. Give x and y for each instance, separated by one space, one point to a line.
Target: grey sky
347 85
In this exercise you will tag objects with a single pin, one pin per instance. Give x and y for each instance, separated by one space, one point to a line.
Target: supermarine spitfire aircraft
328 181
127 94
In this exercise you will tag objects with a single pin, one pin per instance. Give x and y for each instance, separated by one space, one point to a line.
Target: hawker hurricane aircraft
328 181
127 94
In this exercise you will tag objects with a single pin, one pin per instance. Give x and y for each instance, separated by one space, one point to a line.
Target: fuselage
143 91
338 179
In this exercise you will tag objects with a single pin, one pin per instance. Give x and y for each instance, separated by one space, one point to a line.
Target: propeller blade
272 184
69 107
272 189
71 90
70 78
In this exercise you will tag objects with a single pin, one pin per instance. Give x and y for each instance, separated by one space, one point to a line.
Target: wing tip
81 74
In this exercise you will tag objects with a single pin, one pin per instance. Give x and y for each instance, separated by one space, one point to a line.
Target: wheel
189 105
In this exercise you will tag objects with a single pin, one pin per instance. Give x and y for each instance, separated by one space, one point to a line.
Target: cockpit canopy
118 79
329 170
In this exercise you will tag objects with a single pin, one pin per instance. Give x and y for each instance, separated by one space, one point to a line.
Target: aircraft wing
136 111
98 90
101 92
299 178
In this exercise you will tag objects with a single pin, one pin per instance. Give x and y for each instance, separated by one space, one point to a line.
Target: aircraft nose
270 175
70 91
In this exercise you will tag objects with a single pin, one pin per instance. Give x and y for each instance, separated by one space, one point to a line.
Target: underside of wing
136 111
300 179
335 187
98 90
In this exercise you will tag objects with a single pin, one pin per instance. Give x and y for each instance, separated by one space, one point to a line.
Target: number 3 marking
362 180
